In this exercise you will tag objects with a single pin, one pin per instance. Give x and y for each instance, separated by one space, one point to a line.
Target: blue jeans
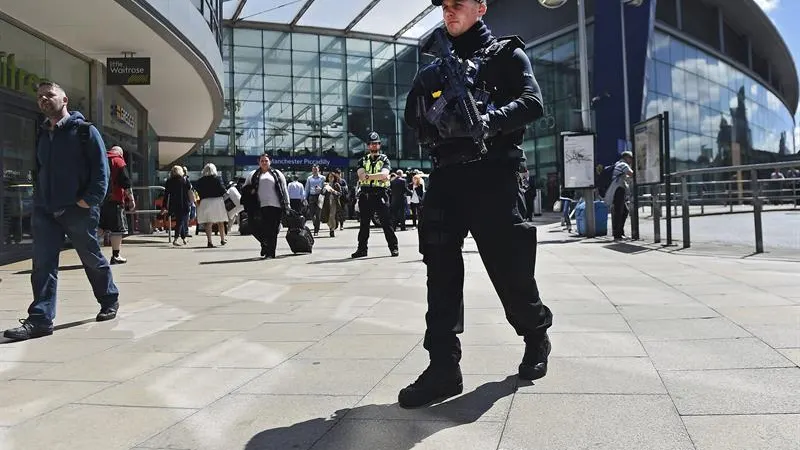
80 225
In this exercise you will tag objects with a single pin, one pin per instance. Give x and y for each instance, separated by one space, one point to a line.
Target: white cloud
768 5
797 138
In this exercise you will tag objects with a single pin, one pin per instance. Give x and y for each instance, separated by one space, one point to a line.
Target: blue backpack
604 179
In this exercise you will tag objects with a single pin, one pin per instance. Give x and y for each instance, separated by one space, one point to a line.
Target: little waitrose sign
128 71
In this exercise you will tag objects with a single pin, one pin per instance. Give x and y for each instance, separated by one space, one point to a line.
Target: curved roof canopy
390 19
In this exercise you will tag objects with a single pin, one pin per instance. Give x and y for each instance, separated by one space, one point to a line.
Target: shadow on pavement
72 267
414 427
76 323
230 261
343 260
629 249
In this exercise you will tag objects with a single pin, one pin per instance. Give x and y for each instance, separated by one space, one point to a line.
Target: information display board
648 151
578 160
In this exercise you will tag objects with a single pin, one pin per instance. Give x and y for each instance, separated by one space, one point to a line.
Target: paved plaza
216 349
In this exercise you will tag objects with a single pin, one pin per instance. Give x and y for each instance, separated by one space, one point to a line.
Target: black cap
373 137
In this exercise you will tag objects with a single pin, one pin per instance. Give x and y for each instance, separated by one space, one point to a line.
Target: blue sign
281 161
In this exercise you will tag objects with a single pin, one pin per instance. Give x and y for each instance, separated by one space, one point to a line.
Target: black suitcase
300 240
244 224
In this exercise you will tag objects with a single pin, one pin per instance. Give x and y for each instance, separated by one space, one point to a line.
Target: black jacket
399 190
210 186
514 92
177 192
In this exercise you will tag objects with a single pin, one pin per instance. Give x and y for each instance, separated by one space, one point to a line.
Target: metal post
757 211
667 177
685 212
656 214
586 118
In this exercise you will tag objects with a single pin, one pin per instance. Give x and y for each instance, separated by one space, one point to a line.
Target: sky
784 14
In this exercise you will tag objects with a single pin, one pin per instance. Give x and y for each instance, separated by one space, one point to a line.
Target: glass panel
358 47
306 90
389 16
359 69
305 42
247 37
247 60
382 50
329 44
430 21
277 62
305 64
277 39
332 13
332 66
383 71
277 11
333 92
229 7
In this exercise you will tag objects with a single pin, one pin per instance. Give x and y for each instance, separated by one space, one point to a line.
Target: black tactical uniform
374 197
507 244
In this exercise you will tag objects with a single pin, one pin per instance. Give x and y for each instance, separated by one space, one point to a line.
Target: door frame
12 103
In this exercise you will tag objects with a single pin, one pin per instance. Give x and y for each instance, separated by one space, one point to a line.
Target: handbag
557 206
229 204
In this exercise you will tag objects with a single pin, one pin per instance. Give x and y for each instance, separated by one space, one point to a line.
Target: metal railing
144 219
746 190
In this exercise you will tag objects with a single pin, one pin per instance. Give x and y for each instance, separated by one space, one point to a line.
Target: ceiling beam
363 13
301 12
317 30
238 11
414 21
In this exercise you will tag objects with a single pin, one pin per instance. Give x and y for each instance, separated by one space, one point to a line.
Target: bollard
656 214
685 212
757 211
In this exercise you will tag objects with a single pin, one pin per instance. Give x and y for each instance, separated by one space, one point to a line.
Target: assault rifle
458 78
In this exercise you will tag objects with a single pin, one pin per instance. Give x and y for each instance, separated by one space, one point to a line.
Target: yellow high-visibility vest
372 167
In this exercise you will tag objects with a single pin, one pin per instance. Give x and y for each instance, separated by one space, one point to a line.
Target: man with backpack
613 186
71 183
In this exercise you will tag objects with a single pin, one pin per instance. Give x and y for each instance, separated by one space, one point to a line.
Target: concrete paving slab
92 427
590 323
763 315
321 377
13 370
650 422
683 329
741 353
792 353
357 347
25 399
776 335
175 387
659 312
241 353
256 422
107 366
595 344
735 391
568 307
54 349
753 432
598 376
293 332
172 341
739 299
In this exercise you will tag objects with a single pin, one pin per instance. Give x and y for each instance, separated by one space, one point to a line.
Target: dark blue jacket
67 172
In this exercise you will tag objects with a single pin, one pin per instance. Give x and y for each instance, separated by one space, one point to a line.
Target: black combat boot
28 330
107 312
435 384
534 362
360 253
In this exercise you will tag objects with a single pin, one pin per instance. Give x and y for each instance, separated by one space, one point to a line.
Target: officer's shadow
387 427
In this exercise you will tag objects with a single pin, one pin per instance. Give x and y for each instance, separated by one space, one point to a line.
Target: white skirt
212 210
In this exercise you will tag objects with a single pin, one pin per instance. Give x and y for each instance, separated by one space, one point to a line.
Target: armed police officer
373 180
470 108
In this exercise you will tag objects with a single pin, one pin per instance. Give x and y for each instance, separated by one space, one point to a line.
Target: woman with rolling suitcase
265 199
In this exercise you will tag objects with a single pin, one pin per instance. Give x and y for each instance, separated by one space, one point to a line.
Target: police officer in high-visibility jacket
373 180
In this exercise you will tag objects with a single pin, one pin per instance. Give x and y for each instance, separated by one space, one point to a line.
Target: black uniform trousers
371 200
506 243
619 214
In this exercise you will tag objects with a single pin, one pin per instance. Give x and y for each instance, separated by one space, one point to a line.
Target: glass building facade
719 115
306 98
